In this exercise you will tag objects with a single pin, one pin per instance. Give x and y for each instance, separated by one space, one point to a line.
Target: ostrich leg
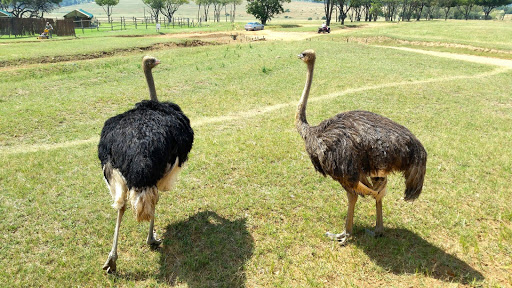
379 225
152 238
345 236
110 264
379 185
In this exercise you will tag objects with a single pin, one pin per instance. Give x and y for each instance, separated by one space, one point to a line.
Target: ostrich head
308 56
149 62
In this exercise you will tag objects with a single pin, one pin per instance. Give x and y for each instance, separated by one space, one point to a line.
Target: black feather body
142 142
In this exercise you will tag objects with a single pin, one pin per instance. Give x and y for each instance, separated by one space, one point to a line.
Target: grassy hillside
135 8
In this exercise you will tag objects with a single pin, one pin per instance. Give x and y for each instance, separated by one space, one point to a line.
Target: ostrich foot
153 240
341 238
110 264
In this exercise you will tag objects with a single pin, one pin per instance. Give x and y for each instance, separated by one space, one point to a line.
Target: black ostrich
359 149
141 152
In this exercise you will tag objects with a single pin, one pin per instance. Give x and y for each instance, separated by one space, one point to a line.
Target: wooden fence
135 23
34 26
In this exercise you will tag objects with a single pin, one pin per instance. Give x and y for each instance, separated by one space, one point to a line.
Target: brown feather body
356 145
359 144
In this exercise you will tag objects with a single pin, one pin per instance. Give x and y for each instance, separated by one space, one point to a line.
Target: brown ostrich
142 151
359 149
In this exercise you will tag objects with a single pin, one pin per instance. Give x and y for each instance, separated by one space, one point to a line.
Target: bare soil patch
384 39
102 54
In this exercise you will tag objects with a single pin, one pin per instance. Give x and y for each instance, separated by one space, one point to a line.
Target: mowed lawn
249 210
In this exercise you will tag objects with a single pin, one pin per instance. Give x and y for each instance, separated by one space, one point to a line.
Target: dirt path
463 57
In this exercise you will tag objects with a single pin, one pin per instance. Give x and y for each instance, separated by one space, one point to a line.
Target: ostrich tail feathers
414 177
143 202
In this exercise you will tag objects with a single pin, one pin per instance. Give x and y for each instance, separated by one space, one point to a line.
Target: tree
367 6
390 9
171 6
39 7
234 2
375 10
489 5
328 7
108 4
206 7
418 8
155 7
446 5
30 8
265 10
429 5
465 7
217 8
343 7
356 6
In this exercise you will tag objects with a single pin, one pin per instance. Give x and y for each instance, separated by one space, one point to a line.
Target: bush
310 18
323 18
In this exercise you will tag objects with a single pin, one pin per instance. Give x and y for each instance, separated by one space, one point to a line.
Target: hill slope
298 10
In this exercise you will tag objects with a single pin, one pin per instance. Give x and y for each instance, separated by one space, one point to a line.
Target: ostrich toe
153 240
341 238
110 264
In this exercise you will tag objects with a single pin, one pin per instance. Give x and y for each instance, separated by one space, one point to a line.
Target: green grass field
249 210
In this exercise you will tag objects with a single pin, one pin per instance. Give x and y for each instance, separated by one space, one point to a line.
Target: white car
253 26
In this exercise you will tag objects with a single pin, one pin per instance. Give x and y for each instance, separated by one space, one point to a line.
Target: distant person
157 27
49 27
324 25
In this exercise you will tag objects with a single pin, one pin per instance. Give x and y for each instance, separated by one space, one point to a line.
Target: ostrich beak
157 62
300 56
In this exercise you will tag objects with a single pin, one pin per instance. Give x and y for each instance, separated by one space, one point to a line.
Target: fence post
135 22
112 24
82 25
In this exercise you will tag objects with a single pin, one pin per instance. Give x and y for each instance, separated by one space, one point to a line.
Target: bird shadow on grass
401 251
206 250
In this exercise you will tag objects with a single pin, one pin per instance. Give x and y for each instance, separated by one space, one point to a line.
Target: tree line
404 10
265 10
167 8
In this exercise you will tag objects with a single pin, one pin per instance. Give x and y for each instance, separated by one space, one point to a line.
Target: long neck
301 123
151 83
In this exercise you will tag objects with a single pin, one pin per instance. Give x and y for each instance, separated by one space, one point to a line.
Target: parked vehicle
253 26
325 29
